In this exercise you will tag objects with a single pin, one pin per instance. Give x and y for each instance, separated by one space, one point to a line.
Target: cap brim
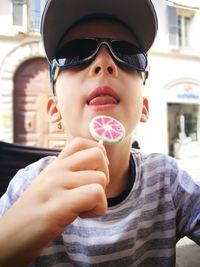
60 15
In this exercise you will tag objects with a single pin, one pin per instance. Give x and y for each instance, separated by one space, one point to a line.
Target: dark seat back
14 157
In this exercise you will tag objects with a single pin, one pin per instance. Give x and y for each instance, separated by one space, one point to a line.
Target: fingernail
107 160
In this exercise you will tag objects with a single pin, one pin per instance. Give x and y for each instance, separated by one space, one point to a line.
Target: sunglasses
82 51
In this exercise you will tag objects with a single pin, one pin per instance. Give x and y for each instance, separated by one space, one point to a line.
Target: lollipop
106 130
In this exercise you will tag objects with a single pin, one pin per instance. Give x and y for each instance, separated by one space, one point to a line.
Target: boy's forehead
108 28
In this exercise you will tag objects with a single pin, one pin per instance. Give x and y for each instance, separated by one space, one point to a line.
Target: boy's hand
73 185
80 174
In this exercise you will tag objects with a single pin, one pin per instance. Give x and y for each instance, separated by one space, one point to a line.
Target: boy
78 209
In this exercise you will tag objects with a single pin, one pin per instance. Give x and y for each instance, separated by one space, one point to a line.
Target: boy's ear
52 110
145 110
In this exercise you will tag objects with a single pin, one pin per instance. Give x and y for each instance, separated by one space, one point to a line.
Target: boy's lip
103 96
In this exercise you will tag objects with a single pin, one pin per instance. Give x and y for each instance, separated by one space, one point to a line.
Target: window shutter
173 25
18 15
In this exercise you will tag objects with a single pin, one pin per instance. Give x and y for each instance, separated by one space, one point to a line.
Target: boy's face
100 88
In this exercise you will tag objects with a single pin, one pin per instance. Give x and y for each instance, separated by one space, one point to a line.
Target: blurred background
173 86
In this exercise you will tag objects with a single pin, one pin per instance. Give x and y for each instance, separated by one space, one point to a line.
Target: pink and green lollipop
106 130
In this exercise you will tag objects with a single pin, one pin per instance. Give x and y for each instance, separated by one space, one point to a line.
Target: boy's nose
103 64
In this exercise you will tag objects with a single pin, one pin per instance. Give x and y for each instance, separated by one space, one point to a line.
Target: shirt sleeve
186 197
21 181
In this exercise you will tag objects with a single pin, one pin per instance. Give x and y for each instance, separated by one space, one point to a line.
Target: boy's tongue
103 96
103 100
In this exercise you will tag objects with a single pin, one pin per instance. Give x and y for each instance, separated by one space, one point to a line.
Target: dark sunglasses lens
130 54
76 52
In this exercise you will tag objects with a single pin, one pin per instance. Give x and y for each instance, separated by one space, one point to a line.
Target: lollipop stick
101 141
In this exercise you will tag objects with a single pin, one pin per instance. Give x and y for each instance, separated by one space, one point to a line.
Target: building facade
173 86
24 86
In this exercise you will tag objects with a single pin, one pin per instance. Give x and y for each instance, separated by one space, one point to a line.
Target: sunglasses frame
100 41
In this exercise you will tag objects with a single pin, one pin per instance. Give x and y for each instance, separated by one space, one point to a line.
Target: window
179 21
26 14
35 14
36 8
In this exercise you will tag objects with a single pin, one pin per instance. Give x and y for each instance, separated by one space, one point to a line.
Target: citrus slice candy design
106 129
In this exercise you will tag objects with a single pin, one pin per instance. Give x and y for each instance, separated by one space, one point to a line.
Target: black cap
60 15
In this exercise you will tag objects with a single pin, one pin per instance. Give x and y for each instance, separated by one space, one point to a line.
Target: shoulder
157 168
21 182
29 173
154 161
163 169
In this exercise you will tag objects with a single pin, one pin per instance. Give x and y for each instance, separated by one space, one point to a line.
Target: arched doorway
31 91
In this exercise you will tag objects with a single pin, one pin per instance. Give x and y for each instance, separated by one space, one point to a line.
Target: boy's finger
82 178
92 159
78 144
88 199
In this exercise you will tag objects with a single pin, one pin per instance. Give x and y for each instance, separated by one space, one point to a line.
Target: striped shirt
161 206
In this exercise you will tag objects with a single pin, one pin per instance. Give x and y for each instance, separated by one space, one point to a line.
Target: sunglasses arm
52 68
146 74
